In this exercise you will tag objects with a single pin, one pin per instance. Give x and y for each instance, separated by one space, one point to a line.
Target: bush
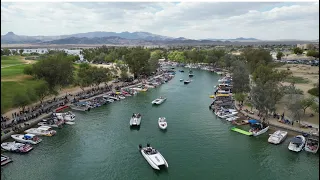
314 91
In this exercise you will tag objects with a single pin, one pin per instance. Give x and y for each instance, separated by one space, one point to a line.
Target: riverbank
274 122
33 122
24 126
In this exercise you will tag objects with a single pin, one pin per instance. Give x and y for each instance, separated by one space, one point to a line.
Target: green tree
279 55
240 75
313 53
55 70
295 107
21 100
138 61
315 90
240 97
315 107
264 96
266 73
297 50
6 52
28 70
20 52
307 102
256 57
42 90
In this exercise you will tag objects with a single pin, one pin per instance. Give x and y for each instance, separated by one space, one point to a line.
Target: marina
101 143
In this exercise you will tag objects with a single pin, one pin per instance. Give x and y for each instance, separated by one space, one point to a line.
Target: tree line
255 74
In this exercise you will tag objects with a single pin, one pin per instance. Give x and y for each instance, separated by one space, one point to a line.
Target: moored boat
233 118
16 147
41 131
277 137
67 116
297 143
257 128
162 122
51 122
26 138
312 145
5 160
153 157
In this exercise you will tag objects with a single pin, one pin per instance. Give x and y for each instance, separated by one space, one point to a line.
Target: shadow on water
163 170
135 128
164 130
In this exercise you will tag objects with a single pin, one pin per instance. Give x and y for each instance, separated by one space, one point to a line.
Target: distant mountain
11 38
126 38
237 39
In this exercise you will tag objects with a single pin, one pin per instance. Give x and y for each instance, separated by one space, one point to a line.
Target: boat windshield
150 151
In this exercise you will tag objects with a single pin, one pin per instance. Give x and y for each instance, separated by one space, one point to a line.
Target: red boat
61 108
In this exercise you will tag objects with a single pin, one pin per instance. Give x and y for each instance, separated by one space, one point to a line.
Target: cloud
195 20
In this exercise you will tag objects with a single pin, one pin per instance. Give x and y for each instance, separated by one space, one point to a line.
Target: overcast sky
266 21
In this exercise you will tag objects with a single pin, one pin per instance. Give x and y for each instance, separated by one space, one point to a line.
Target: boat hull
151 163
135 121
19 139
294 148
277 137
260 132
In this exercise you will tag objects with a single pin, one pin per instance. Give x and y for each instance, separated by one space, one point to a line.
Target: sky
194 20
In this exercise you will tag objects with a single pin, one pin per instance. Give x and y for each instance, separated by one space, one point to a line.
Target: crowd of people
12 124
32 112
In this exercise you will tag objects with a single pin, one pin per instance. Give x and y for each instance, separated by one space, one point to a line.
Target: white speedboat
51 122
186 81
121 97
5 160
181 80
258 128
135 120
162 122
153 157
233 118
16 147
277 137
159 101
227 114
312 145
41 131
297 143
26 138
68 116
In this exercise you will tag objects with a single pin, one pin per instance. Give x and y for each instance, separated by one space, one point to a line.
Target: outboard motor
148 145
140 146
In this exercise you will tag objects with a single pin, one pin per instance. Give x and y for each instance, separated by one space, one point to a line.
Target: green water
197 145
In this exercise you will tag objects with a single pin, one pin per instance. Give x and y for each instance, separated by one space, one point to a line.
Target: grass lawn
13 70
296 80
10 88
11 60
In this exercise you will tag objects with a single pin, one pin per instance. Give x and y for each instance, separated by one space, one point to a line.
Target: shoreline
33 122
275 125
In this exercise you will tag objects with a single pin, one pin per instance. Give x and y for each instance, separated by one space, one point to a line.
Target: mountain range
113 38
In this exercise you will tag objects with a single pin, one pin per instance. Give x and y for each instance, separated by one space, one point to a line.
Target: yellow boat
211 96
118 92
